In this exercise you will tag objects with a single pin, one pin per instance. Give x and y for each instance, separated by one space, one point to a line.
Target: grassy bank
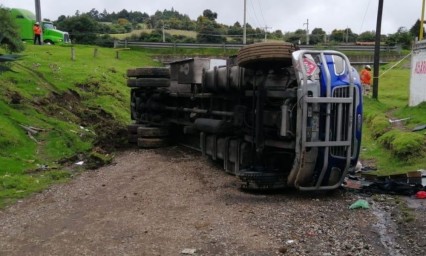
54 109
392 147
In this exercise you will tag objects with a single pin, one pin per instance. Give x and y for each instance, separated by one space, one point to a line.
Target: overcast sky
286 15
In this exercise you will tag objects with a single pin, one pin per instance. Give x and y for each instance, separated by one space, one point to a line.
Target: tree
297 37
367 36
10 39
82 28
337 35
94 14
415 29
208 31
317 36
402 37
210 15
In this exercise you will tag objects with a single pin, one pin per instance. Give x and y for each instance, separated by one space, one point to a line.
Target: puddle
387 230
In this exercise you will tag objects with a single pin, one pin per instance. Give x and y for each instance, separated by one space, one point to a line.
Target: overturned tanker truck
274 115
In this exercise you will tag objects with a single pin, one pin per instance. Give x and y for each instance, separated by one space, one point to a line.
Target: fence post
115 43
117 55
95 52
72 54
125 43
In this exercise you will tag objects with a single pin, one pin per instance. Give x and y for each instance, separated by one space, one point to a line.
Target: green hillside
53 108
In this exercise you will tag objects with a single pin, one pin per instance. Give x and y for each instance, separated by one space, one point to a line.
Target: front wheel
49 42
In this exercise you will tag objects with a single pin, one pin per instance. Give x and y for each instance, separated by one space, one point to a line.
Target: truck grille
339 121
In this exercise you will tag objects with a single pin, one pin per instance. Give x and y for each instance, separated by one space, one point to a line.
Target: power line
365 14
261 12
255 16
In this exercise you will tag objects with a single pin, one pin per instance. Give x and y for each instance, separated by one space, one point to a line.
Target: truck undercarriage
274 115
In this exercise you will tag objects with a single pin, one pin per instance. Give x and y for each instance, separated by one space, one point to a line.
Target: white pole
422 21
307 30
164 36
245 25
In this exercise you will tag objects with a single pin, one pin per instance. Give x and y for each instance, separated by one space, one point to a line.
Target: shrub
403 144
379 126
407 144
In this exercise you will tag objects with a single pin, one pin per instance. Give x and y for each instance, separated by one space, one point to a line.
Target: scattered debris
361 203
368 169
398 120
421 195
290 241
419 128
42 167
189 251
79 163
31 131
392 187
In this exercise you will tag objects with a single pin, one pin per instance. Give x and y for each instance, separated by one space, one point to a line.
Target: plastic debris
398 120
189 251
42 167
419 128
79 163
421 195
361 203
290 241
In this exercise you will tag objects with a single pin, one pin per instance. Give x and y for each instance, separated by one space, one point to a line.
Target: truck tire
135 102
152 132
263 55
149 72
152 142
133 128
132 138
148 82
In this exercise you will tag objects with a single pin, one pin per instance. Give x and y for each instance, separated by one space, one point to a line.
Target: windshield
48 26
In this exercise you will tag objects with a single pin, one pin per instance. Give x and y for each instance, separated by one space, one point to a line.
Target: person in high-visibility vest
365 76
37 33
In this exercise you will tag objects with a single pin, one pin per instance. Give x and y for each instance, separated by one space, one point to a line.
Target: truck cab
26 20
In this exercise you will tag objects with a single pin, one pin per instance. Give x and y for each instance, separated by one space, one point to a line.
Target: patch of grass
173 32
17 186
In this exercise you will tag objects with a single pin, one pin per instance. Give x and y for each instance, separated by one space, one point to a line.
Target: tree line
96 27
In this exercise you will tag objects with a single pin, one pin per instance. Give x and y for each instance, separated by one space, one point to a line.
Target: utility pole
245 24
38 11
266 31
164 35
377 51
307 30
422 21
38 17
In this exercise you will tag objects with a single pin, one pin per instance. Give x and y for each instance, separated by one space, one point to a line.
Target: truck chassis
274 115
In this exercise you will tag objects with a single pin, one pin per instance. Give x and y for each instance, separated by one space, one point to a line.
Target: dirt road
173 201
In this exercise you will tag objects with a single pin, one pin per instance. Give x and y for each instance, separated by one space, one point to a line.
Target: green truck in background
26 20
